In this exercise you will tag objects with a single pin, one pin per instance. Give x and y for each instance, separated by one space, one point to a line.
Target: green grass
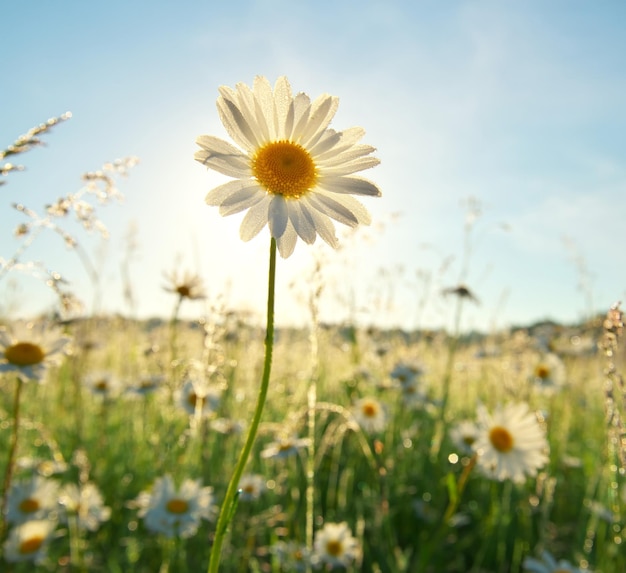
393 488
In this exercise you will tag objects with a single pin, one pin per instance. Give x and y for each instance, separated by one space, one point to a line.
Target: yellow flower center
31 544
284 168
249 488
334 547
29 505
24 354
102 385
192 399
501 439
369 410
542 371
469 440
177 506
184 291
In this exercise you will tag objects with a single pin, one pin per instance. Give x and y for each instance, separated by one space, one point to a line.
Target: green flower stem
230 499
8 472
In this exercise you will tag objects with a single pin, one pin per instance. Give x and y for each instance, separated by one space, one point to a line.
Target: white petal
287 242
238 126
223 157
323 225
329 140
218 195
339 157
254 220
354 206
301 112
350 185
241 200
264 108
349 138
334 209
302 222
350 166
283 102
278 216
323 110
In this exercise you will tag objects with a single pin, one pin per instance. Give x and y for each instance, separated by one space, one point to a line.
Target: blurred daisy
227 426
32 499
334 545
29 541
103 384
41 466
187 286
405 373
284 447
511 444
196 398
292 172
463 435
148 384
29 351
291 556
548 564
251 486
174 512
86 503
549 372
370 415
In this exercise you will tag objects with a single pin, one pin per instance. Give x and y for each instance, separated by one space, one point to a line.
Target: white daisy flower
463 435
335 545
251 487
548 564
291 555
148 384
29 350
174 512
511 443
370 415
292 172
103 384
407 373
86 503
549 373
29 541
32 499
198 398
284 447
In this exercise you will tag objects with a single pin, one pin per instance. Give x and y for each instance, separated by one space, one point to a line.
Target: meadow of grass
411 497
117 457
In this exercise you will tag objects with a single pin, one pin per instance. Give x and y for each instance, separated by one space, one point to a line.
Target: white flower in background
511 443
549 373
335 545
463 435
86 504
196 398
252 487
29 541
284 447
29 350
175 512
370 415
32 499
148 384
548 564
103 384
292 172
291 556
407 373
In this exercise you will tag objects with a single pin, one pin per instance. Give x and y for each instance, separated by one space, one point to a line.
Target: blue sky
519 105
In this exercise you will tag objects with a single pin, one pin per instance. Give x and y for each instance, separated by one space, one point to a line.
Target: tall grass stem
230 499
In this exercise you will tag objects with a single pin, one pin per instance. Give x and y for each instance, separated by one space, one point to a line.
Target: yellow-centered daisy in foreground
292 172
510 443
